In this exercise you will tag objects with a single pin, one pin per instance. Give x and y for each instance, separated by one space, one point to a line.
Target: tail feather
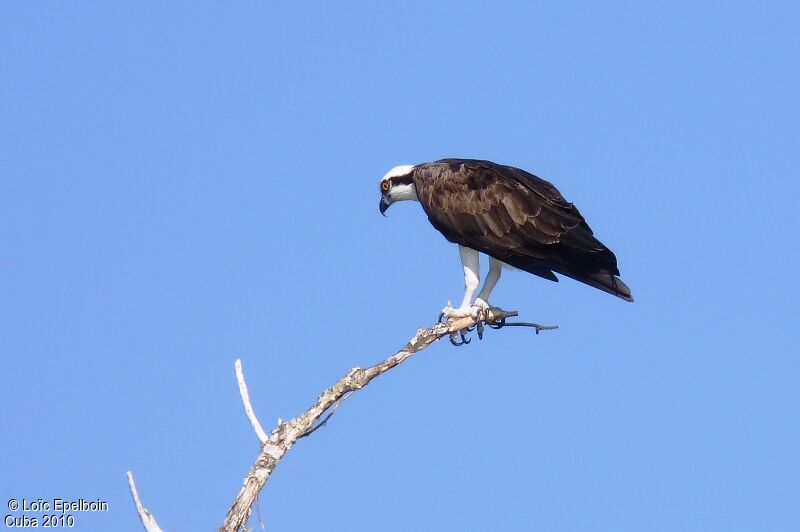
607 282
602 278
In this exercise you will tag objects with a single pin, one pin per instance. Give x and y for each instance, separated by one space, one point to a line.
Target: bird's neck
404 192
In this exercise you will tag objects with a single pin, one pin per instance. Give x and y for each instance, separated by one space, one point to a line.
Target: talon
447 313
454 342
462 335
479 326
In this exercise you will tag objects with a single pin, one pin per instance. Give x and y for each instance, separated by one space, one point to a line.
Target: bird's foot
478 310
446 313
449 313
475 310
481 306
482 314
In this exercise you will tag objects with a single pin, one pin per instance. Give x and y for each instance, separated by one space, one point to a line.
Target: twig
288 432
539 328
536 326
147 518
248 408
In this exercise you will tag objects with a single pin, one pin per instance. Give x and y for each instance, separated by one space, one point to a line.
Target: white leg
472 270
471 263
495 267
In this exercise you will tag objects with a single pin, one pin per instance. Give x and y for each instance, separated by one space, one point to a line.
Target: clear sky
185 184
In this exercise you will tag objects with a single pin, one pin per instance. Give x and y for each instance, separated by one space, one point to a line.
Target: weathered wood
148 521
286 434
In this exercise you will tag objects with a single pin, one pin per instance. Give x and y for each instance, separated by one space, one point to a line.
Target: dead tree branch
148 521
248 408
286 434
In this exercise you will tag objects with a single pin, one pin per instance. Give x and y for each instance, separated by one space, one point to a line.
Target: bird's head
397 185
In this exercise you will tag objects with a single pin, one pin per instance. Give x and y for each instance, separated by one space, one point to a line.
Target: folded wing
515 217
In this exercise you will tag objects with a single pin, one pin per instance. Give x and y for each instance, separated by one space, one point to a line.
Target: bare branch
288 432
148 521
248 408
329 415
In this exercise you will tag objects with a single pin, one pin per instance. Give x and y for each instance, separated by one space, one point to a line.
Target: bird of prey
513 216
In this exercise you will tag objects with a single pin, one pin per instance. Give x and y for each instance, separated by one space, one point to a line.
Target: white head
397 185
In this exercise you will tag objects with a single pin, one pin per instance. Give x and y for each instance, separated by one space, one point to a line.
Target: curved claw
479 326
441 315
464 339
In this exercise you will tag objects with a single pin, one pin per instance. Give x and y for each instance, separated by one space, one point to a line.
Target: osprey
514 217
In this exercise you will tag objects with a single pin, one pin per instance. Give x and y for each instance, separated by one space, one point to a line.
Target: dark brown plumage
515 217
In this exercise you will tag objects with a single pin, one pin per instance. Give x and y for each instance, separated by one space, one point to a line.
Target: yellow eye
385 186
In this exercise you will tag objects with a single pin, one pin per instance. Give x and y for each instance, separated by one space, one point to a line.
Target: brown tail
609 283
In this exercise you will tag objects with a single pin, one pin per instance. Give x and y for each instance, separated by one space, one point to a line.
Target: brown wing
517 218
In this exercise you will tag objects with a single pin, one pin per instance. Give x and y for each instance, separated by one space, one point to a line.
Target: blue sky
185 184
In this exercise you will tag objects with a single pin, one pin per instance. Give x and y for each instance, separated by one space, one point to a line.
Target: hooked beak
383 205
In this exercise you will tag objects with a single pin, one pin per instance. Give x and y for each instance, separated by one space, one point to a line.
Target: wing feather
515 217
